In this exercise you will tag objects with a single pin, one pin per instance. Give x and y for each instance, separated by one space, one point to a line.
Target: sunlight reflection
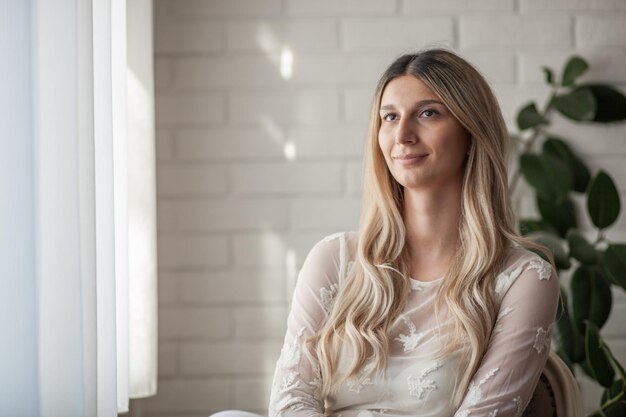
286 63
290 150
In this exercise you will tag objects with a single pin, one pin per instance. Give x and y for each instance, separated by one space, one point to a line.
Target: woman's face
424 145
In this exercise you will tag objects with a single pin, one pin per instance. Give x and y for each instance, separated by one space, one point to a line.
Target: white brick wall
236 216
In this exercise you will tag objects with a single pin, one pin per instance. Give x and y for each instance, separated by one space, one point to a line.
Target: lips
410 156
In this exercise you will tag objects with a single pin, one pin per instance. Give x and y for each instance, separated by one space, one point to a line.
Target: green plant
556 173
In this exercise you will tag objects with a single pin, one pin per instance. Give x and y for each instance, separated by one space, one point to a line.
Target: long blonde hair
376 289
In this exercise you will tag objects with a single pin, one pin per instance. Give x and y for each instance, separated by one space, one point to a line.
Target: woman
433 308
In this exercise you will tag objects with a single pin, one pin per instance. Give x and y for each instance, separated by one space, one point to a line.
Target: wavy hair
376 290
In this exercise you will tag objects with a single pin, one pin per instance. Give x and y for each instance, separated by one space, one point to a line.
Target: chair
557 393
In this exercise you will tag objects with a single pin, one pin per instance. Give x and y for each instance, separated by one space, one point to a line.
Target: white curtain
86 209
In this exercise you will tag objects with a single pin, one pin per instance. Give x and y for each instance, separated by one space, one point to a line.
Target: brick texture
262 109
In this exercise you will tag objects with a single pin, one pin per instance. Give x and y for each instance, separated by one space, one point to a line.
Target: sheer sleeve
296 385
520 343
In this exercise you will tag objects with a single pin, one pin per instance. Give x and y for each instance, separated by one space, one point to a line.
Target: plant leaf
548 74
529 117
527 226
610 103
603 202
579 105
551 177
597 360
580 173
566 337
574 68
561 216
614 262
553 243
580 249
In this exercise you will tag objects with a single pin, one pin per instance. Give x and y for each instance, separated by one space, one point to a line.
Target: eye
432 113
389 117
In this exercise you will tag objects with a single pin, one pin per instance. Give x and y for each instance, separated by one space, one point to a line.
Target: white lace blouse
414 383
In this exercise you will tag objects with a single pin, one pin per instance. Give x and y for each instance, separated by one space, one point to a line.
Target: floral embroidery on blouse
543 267
519 407
542 339
475 393
365 413
464 413
327 297
420 385
503 314
494 413
504 280
290 353
356 384
411 340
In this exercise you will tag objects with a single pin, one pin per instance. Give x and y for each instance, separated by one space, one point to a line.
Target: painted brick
606 66
274 250
497 65
253 394
189 109
163 144
182 395
278 34
406 34
571 5
244 144
339 7
453 7
229 215
188 37
182 323
198 73
261 323
233 286
162 73
192 9
166 215
275 109
341 214
329 142
357 104
193 179
339 69
167 288
594 31
244 358
230 144
287 178
354 178
512 98
192 251
507 30
168 359
590 139
615 327
612 165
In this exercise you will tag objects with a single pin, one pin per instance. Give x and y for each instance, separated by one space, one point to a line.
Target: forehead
406 88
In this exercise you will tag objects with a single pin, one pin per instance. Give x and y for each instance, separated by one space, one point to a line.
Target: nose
405 132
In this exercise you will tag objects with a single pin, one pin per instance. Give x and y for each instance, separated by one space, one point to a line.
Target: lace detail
542 339
411 340
519 407
504 280
464 413
543 267
418 386
327 297
290 353
475 393
356 384
503 314
365 413
494 413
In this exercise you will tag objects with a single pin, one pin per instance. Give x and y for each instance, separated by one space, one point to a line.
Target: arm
519 346
295 390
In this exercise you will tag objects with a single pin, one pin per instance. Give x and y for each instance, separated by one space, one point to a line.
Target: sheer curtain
83 223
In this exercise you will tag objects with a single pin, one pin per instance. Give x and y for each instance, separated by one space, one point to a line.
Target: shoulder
524 266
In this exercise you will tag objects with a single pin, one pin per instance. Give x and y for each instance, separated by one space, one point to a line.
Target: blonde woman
434 307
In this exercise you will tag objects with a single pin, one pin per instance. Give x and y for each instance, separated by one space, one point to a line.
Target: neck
431 218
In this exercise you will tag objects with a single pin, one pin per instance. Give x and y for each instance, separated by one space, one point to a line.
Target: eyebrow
417 104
